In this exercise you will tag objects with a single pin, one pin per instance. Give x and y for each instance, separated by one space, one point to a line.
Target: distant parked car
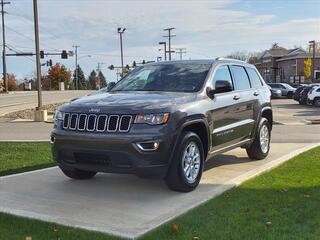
304 95
285 89
297 93
314 96
275 93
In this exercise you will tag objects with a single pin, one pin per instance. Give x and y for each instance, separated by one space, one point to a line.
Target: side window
222 73
254 77
318 90
240 77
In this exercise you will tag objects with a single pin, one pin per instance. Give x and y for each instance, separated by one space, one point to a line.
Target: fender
188 123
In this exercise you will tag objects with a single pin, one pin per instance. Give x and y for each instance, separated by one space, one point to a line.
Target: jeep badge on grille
94 110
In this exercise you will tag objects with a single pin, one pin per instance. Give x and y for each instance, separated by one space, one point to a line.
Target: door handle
255 94
236 97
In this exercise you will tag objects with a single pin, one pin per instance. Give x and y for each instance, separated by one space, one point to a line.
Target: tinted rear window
240 77
254 77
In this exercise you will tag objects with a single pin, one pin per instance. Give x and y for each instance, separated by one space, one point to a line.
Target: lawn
21 157
280 204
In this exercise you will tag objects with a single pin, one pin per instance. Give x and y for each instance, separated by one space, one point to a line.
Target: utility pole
38 65
181 51
169 40
76 54
121 31
313 58
4 62
98 71
165 49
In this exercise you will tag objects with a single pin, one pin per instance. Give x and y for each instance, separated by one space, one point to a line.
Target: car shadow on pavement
225 159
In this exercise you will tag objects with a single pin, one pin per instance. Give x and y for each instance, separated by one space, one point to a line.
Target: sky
207 29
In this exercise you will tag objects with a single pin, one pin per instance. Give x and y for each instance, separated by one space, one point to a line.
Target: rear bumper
112 154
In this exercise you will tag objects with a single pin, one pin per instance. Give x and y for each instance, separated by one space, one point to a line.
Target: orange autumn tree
58 73
12 82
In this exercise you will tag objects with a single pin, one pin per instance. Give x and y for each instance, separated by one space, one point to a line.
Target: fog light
52 139
148 146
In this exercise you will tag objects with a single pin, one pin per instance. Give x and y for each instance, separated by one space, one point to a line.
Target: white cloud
205 28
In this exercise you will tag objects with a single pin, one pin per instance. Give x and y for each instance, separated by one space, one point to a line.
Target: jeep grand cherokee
166 119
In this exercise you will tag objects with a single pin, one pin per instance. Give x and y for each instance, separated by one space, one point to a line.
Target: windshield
165 77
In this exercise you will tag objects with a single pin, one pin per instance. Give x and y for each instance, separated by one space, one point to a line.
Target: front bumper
112 153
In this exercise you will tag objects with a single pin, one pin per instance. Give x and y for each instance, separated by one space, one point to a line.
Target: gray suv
166 119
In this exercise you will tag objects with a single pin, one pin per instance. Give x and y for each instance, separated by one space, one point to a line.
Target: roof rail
229 59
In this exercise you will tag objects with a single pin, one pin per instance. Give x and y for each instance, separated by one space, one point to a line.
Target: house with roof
279 64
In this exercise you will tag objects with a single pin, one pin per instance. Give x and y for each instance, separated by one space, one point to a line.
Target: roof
196 61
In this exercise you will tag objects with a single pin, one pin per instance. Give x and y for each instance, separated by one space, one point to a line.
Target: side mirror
110 86
223 86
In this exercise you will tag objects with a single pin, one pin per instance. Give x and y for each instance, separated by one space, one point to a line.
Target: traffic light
64 54
41 54
111 67
143 61
49 63
134 64
127 66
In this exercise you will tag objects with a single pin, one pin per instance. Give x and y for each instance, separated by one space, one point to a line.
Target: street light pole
4 62
121 31
76 57
38 65
165 49
313 58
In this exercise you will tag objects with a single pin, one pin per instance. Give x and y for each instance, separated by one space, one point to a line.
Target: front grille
97 122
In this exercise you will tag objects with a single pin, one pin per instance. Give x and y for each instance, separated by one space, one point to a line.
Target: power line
10 47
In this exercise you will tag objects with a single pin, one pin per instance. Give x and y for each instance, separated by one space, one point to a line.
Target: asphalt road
24 100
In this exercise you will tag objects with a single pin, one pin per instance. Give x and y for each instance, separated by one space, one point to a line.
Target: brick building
285 65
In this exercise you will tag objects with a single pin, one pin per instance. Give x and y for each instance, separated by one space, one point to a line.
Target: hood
138 101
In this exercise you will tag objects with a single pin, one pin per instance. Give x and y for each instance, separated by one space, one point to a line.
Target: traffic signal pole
38 65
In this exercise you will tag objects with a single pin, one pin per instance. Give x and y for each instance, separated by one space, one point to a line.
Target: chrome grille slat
89 128
66 118
121 128
117 123
85 122
73 121
102 123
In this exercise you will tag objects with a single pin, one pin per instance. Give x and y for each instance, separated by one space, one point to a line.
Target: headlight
152 119
58 116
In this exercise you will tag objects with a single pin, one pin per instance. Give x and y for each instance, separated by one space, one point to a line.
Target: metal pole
38 65
4 62
121 53
313 58
169 31
77 68
165 51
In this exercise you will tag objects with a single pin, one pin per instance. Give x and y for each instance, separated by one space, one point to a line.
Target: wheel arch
201 128
267 113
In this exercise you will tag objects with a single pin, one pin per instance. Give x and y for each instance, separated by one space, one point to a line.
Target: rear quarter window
254 77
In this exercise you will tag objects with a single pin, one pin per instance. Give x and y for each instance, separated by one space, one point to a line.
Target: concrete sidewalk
125 205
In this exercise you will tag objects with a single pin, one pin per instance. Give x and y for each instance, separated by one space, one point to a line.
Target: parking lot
128 206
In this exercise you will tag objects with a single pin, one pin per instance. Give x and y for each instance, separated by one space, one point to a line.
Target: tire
177 178
257 150
316 102
77 173
290 95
